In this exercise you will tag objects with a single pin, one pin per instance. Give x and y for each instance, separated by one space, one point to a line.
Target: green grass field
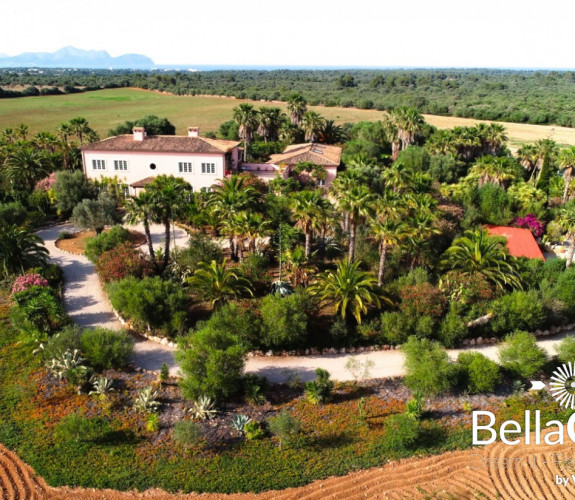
105 109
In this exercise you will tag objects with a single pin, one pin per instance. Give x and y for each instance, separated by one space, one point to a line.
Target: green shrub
105 241
67 339
104 348
200 248
284 320
453 330
396 327
564 290
38 310
494 204
517 311
70 189
240 319
254 389
152 302
566 350
13 213
153 422
186 432
422 299
77 428
95 215
286 428
479 373
401 433
428 367
254 430
521 355
255 269
212 362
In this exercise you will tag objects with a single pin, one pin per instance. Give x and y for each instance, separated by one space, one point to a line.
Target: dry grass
107 108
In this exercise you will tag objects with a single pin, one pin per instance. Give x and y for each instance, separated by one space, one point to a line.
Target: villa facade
134 160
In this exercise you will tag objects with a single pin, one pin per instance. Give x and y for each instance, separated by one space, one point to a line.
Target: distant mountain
70 57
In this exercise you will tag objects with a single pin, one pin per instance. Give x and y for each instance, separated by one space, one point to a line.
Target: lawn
105 109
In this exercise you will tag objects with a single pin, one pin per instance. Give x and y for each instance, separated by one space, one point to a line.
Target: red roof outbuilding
520 242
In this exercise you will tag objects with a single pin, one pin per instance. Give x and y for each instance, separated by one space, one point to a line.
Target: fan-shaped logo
562 386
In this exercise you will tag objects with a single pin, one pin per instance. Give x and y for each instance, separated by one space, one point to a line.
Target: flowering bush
122 262
422 299
46 183
531 222
28 280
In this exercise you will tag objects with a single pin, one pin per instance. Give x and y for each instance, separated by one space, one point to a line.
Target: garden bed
76 242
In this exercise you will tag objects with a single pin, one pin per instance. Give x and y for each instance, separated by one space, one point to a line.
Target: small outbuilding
520 242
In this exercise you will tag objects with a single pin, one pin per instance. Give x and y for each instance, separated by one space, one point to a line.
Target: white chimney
193 131
139 133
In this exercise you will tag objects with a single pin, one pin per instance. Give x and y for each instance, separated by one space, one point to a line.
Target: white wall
166 164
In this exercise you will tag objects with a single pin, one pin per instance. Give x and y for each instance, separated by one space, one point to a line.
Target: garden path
88 306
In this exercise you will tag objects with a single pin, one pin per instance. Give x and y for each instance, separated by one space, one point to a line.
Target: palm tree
494 170
216 283
358 202
528 157
495 137
312 124
297 106
141 209
80 127
20 250
348 289
567 164
168 197
247 117
255 227
269 121
478 253
566 221
330 133
306 208
397 177
25 166
232 195
409 123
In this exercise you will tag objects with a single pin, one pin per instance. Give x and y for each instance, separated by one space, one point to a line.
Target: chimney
139 133
193 131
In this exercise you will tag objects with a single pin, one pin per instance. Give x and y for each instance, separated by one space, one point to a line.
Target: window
152 166
208 168
185 167
120 165
98 164
321 182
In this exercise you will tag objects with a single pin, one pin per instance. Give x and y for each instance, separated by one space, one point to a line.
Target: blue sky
443 33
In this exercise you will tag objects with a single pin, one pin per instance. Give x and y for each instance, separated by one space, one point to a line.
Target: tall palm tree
306 208
255 227
216 283
297 106
79 126
478 253
168 197
358 202
20 250
409 123
495 137
312 124
141 209
567 164
348 289
528 157
398 177
330 133
269 121
247 118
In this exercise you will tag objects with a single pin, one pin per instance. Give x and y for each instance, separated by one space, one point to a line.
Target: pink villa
137 158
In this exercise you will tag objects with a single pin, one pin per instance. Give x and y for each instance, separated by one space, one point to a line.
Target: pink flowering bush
26 281
531 222
46 183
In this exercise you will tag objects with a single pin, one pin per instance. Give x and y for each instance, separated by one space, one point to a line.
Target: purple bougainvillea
531 222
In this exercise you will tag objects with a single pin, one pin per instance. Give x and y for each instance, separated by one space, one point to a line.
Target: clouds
445 33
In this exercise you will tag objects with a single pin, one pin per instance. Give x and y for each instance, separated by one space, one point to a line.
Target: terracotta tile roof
163 143
320 154
142 182
520 242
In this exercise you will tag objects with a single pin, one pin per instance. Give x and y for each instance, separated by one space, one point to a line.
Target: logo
563 386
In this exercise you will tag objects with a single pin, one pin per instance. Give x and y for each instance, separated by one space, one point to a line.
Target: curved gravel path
88 306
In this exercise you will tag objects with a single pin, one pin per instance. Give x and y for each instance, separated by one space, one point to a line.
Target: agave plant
203 408
146 400
67 363
239 422
102 386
